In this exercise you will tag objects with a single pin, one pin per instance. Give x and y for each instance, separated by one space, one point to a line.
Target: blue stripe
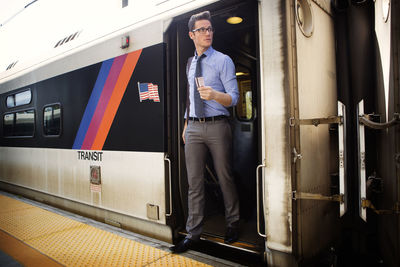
92 104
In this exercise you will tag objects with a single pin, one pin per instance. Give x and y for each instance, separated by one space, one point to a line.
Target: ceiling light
234 20
240 73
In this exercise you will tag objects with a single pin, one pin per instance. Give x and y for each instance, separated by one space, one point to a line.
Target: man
207 129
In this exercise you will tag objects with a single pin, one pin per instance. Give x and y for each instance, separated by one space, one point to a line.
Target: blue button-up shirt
219 73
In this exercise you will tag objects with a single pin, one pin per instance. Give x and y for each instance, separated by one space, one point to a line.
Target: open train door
240 42
303 175
378 123
387 23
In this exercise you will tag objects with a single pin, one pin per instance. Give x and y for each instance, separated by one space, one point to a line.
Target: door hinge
296 156
366 203
302 195
316 121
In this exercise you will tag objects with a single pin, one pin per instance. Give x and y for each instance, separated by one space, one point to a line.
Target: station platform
35 234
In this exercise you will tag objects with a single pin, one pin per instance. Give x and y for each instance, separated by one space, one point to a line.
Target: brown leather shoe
182 246
231 235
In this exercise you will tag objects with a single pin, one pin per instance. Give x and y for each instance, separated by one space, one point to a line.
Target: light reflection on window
19 99
52 120
244 108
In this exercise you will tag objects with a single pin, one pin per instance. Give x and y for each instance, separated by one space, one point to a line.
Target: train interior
240 42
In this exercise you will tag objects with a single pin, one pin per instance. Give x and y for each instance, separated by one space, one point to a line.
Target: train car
92 104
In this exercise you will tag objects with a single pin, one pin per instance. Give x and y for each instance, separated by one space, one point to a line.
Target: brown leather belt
215 118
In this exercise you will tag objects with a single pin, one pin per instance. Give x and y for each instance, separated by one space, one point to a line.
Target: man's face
199 39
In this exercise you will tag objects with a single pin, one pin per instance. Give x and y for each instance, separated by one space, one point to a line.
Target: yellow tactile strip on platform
73 243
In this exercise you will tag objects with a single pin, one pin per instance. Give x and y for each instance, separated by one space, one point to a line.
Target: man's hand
184 131
207 93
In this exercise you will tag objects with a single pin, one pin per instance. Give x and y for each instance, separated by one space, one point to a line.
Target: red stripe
116 97
108 89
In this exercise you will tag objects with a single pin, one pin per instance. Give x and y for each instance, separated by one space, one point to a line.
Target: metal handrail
258 203
170 185
379 126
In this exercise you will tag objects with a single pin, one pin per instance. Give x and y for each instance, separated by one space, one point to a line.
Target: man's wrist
223 98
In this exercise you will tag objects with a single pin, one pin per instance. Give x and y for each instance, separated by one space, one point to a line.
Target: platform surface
34 234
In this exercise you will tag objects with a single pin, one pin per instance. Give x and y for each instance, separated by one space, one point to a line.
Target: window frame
13 124
61 120
14 96
15 120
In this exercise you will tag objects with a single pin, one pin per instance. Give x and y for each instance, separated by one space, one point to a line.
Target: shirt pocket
211 77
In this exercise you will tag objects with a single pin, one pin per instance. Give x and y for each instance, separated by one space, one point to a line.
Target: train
93 100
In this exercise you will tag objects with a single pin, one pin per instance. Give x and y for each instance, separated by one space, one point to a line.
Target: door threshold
240 245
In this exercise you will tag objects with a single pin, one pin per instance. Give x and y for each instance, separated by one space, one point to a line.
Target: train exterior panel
298 85
63 174
318 146
93 89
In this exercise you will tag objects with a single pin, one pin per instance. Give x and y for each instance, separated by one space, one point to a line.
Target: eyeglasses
203 30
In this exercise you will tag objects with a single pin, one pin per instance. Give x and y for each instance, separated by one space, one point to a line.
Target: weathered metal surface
317 98
277 177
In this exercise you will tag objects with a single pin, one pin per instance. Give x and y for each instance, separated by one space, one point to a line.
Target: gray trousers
215 136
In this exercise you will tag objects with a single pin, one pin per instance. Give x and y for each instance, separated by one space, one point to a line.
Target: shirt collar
208 52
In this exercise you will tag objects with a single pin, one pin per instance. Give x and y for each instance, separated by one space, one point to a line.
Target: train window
23 98
10 101
24 123
244 107
8 124
19 99
19 124
52 120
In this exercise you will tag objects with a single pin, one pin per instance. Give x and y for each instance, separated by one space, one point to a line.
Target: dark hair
205 15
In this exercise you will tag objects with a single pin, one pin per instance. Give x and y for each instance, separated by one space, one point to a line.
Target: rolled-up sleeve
228 78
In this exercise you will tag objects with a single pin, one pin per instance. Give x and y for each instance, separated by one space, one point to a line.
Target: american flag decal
148 91
153 90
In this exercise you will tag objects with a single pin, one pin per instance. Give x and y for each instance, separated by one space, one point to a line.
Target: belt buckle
202 120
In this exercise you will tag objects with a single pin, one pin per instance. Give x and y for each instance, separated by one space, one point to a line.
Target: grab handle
258 202
170 185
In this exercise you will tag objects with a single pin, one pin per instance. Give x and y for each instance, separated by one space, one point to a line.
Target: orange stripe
115 100
23 253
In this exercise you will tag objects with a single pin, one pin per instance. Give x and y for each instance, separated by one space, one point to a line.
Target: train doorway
240 42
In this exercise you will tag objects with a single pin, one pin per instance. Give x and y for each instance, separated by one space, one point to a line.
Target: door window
52 120
244 107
